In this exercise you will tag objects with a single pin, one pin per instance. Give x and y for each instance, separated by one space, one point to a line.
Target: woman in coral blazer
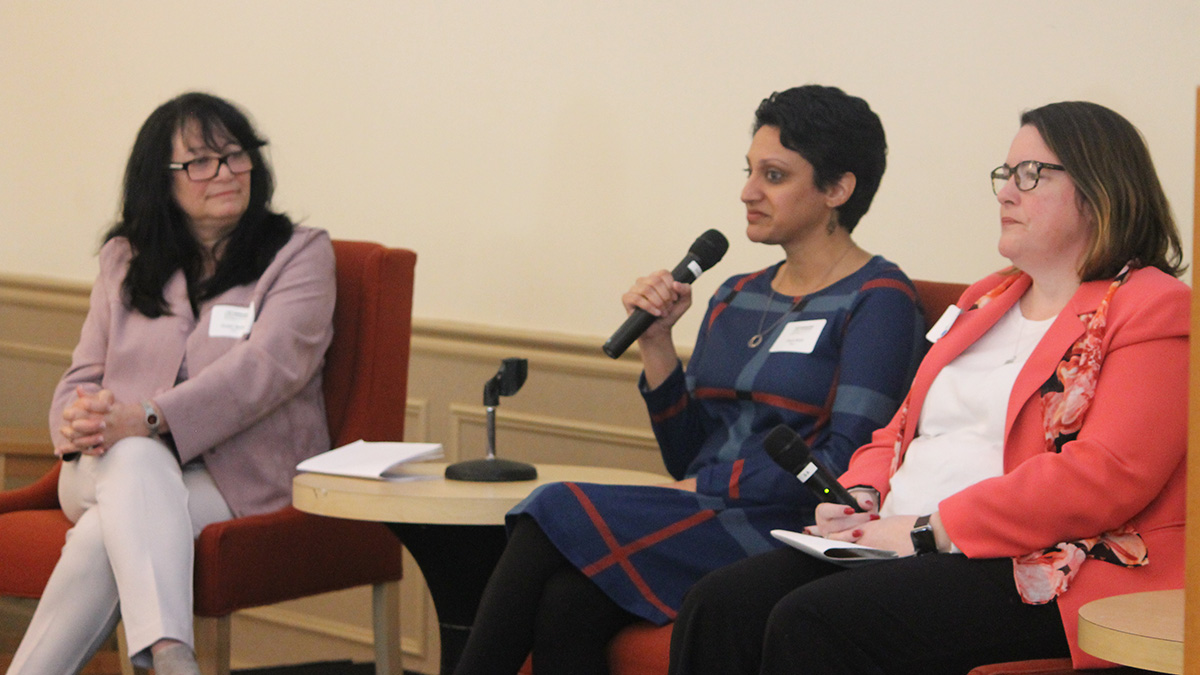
1039 459
193 393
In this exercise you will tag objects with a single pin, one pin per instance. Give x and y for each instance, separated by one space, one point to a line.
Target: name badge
230 321
799 337
943 324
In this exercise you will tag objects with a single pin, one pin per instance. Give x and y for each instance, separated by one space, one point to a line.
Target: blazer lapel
967 329
1050 350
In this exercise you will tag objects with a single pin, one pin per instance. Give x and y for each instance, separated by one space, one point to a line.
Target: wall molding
559 427
572 354
29 352
416 420
40 292
25 441
569 354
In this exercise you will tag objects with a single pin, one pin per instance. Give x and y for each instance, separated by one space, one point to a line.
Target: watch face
923 539
151 417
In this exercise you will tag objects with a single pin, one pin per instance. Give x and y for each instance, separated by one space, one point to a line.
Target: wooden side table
454 529
1142 630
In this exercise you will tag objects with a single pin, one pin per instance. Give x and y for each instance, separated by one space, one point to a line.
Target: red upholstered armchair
269 558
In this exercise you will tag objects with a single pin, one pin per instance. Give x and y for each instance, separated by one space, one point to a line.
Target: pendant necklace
1020 329
757 338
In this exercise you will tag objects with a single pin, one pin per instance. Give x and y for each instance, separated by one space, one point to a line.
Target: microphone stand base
491 471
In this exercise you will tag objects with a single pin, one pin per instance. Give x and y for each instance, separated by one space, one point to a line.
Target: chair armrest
288 554
39 495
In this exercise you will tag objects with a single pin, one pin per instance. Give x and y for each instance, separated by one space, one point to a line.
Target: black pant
786 612
537 601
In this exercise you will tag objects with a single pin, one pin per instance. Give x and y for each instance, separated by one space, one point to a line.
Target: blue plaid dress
645 546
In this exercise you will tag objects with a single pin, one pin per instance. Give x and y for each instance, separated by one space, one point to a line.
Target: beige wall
540 155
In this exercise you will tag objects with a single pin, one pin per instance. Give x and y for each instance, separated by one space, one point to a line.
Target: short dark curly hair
837 134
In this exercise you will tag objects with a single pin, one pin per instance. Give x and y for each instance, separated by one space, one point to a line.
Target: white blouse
960 435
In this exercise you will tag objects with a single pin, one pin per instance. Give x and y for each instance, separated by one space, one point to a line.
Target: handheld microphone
706 251
792 453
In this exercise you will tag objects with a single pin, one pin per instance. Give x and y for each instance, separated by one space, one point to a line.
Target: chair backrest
366 367
935 297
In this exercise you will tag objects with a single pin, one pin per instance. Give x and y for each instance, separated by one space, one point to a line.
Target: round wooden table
453 529
1142 630
439 501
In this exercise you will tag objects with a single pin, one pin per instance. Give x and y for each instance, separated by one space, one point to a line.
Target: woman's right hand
662 297
841 521
83 421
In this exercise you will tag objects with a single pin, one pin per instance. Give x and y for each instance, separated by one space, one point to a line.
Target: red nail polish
875 516
856 533
849 510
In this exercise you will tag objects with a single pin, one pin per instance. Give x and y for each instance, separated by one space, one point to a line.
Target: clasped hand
95 420
842 523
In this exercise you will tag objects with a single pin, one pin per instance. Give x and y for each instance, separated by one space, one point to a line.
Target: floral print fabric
1042 575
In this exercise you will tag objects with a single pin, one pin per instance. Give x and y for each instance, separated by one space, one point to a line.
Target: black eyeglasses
207 168
1028 173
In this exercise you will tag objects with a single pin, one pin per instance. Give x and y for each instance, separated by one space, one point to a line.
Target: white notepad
378 460
842 553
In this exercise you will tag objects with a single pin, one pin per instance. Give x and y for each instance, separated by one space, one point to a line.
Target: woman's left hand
122 421
892 533
96 421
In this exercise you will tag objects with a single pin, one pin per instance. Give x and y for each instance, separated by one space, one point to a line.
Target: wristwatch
923 539
153 422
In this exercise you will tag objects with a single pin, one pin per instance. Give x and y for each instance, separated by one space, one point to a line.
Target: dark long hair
837 134
157 228
1109 163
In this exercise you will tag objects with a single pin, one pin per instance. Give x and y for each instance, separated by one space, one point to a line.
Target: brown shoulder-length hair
1108 161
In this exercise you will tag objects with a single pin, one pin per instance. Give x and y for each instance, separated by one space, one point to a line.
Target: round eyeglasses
207 168
1028 173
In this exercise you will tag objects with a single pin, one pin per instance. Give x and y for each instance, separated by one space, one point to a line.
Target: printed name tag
943 324
230 321
799 336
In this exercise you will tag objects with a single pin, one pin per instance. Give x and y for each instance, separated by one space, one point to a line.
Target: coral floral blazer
1127 465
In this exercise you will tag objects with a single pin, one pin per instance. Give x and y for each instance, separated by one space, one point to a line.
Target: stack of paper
379 460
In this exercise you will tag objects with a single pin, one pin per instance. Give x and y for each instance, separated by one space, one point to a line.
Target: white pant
129 555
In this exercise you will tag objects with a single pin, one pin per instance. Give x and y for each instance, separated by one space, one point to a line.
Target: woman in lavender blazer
193 393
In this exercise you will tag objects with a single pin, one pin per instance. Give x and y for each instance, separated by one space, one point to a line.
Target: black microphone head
787 448
709 248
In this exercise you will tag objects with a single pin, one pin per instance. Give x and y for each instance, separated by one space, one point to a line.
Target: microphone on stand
793 454
706 251
506 382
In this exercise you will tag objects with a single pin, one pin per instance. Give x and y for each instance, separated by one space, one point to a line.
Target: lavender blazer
251 407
